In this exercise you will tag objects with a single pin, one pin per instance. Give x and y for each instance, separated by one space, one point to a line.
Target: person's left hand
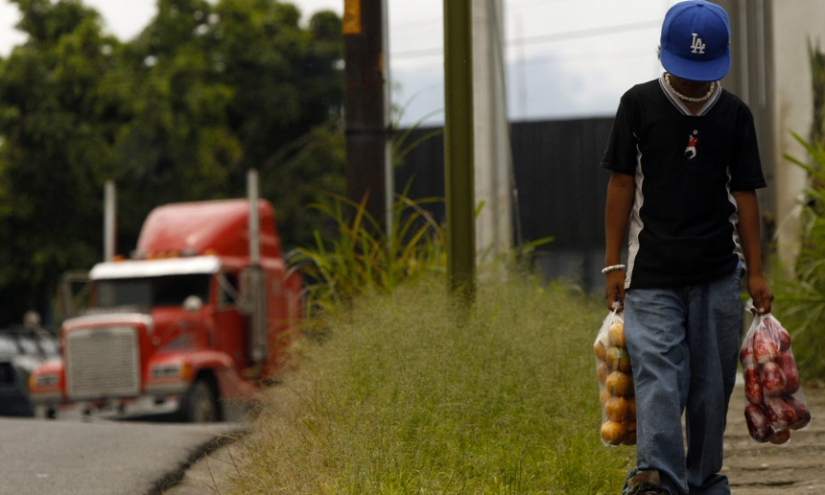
760 293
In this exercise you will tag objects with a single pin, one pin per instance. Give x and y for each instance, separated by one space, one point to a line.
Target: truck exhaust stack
109 220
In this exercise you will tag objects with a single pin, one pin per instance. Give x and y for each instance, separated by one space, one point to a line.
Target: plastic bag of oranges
776 404
616 391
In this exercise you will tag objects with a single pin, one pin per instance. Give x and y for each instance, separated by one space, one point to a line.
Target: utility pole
366 106
458 144
493 159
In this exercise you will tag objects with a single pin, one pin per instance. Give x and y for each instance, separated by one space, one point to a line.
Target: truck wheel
200 405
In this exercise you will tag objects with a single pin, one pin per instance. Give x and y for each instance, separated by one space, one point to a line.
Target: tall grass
407 398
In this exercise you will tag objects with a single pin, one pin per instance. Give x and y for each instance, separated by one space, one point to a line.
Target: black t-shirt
683 221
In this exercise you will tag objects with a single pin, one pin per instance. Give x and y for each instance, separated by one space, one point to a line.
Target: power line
414 23
585 33
438 21
543 39
534 3
584 58
587 58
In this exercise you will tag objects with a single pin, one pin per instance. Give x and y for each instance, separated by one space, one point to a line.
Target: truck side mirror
75 290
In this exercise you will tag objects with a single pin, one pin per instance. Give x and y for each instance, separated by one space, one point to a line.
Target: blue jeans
683 344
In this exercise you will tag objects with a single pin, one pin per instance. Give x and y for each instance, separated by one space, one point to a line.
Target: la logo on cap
697 46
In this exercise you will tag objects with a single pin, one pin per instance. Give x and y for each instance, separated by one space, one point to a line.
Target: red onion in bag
788 366
773 380
803 414
758 425
780 437
765 348
753 386
779 413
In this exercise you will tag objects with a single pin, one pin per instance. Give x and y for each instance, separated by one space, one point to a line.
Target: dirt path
795 468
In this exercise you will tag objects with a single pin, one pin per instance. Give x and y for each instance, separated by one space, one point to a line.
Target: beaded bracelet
613 268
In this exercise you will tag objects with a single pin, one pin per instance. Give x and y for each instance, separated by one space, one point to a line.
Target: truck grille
102 362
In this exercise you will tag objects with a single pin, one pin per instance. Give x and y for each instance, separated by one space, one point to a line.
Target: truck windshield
168 290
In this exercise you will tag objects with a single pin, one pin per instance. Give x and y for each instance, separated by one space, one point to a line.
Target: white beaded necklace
691 99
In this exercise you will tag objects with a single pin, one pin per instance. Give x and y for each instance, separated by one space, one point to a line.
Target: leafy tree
237 86
286 83
180 113
177 142
57 141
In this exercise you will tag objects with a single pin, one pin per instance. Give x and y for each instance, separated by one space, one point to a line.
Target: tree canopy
205 92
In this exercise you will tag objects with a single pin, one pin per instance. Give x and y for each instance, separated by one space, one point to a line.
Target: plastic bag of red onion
776 405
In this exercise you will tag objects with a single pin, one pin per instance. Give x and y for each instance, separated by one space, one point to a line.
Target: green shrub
800 296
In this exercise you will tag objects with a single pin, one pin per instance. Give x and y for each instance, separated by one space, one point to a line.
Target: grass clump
361 257
406 397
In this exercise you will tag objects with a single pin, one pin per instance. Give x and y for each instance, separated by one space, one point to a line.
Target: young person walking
685 166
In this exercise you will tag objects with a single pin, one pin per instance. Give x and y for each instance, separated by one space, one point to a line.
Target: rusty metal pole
364 105
458 143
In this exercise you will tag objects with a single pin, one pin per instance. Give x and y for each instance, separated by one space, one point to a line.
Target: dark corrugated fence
560 187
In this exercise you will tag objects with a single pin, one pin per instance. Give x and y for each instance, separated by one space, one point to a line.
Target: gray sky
564 58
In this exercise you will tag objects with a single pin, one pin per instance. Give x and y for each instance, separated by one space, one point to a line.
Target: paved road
100 457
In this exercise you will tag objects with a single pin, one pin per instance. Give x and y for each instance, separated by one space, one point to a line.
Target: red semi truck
190 325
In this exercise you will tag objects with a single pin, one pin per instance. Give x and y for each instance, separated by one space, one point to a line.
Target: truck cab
191 325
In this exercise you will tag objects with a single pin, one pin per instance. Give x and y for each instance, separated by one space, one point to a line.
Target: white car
21 349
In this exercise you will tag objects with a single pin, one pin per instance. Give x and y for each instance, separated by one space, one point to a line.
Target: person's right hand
614 288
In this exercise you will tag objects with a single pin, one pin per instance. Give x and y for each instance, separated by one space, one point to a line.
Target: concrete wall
795 23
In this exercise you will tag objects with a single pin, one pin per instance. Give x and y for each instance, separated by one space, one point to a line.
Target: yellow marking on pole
352 16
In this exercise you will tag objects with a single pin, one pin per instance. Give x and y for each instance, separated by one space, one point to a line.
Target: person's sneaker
650 490
646 483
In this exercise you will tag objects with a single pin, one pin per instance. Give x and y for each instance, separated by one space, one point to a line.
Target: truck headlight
167 371
47 380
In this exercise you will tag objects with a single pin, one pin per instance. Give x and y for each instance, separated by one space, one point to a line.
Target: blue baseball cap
695 41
